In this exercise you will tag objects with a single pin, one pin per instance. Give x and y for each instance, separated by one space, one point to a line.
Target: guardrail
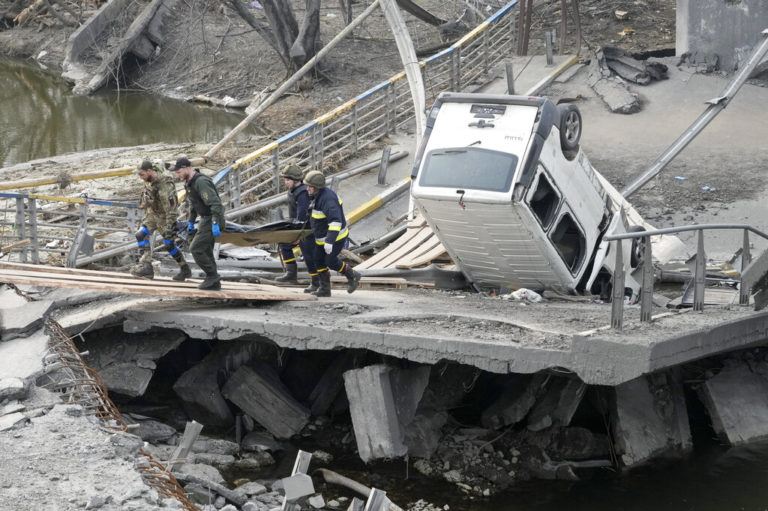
42 220
322 143
750 273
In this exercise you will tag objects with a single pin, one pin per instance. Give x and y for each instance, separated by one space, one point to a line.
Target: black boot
314 285
143 270
353 278
289 276
184 273
324 289
212 282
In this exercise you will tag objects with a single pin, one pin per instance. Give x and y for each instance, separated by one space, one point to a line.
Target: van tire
570 127
637 253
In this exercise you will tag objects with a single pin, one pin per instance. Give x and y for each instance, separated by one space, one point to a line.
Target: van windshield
471 168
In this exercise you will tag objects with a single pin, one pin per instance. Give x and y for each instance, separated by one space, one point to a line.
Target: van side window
569 242
544 201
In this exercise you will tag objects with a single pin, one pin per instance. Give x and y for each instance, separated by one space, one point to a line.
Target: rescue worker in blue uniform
298 212
331 233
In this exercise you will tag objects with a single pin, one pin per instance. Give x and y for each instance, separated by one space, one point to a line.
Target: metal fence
323 143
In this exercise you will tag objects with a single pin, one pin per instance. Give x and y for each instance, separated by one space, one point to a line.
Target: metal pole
646 300
617 295
384 165
20 226
510 78
33 231
746 258
699 281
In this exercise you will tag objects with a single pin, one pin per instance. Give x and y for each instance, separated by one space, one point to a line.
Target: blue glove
191 228
328 247
216 230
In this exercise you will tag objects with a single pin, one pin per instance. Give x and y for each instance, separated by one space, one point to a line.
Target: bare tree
293 43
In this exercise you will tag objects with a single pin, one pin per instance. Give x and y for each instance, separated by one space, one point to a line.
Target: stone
205 472
254 461
220 461
154 431
215 446
650 418
297 486
12 388
316 501
250 489
737 401
260 394
260 441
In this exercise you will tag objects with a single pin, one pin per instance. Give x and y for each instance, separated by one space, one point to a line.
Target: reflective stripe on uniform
289 260
316 213
319 242
142 243
340 236
334 226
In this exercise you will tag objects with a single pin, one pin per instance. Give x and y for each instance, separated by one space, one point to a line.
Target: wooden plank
425 259
404 249
409 234
256 292
416 255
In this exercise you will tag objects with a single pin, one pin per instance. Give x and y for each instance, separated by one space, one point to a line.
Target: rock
260 441
12 420
250 489
12 388
316 501
254 460
201 471
96 502
154 431
220 461
215 446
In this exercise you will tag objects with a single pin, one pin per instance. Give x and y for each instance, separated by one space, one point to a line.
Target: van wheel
637 253
570 127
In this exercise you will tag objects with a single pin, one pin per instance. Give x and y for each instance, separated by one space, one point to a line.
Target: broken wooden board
417 247
50 276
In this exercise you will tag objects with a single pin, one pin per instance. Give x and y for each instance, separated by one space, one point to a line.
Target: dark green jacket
204 199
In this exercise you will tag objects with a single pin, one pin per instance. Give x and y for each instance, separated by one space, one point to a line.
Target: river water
40 117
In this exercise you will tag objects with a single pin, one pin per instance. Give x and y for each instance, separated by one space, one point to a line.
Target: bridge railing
60 225
337 135
751 271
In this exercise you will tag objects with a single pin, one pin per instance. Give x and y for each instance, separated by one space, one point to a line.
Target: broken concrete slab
297 486
559 403
517 399
22 358
154 431
737 401
612 92
407 389
650 418
22 320
260 393
12 388
202 472
378 435
12 420
126 362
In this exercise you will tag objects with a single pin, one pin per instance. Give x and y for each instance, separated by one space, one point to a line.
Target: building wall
727 28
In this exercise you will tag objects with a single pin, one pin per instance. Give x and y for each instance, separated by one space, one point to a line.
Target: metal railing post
617 294
699 281
455 75
33 231
79 237
646 299
389 117
276 169
233 183
746 258
21 230
355 126
486 57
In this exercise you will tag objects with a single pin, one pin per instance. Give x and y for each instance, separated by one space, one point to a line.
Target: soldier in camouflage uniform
204 202
159 201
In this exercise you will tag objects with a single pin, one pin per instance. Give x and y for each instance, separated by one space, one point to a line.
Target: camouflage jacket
159 199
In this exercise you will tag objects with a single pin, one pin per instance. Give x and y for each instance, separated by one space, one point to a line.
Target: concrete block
737 401
153 431
12 388
519 395
558 404
23 320
23 358
12 420
126 378
331 382
260 394
316 501
199 391
202 472
297 486
407 389
379 434
650 418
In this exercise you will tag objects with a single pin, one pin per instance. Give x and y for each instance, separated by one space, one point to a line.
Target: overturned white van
503 183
